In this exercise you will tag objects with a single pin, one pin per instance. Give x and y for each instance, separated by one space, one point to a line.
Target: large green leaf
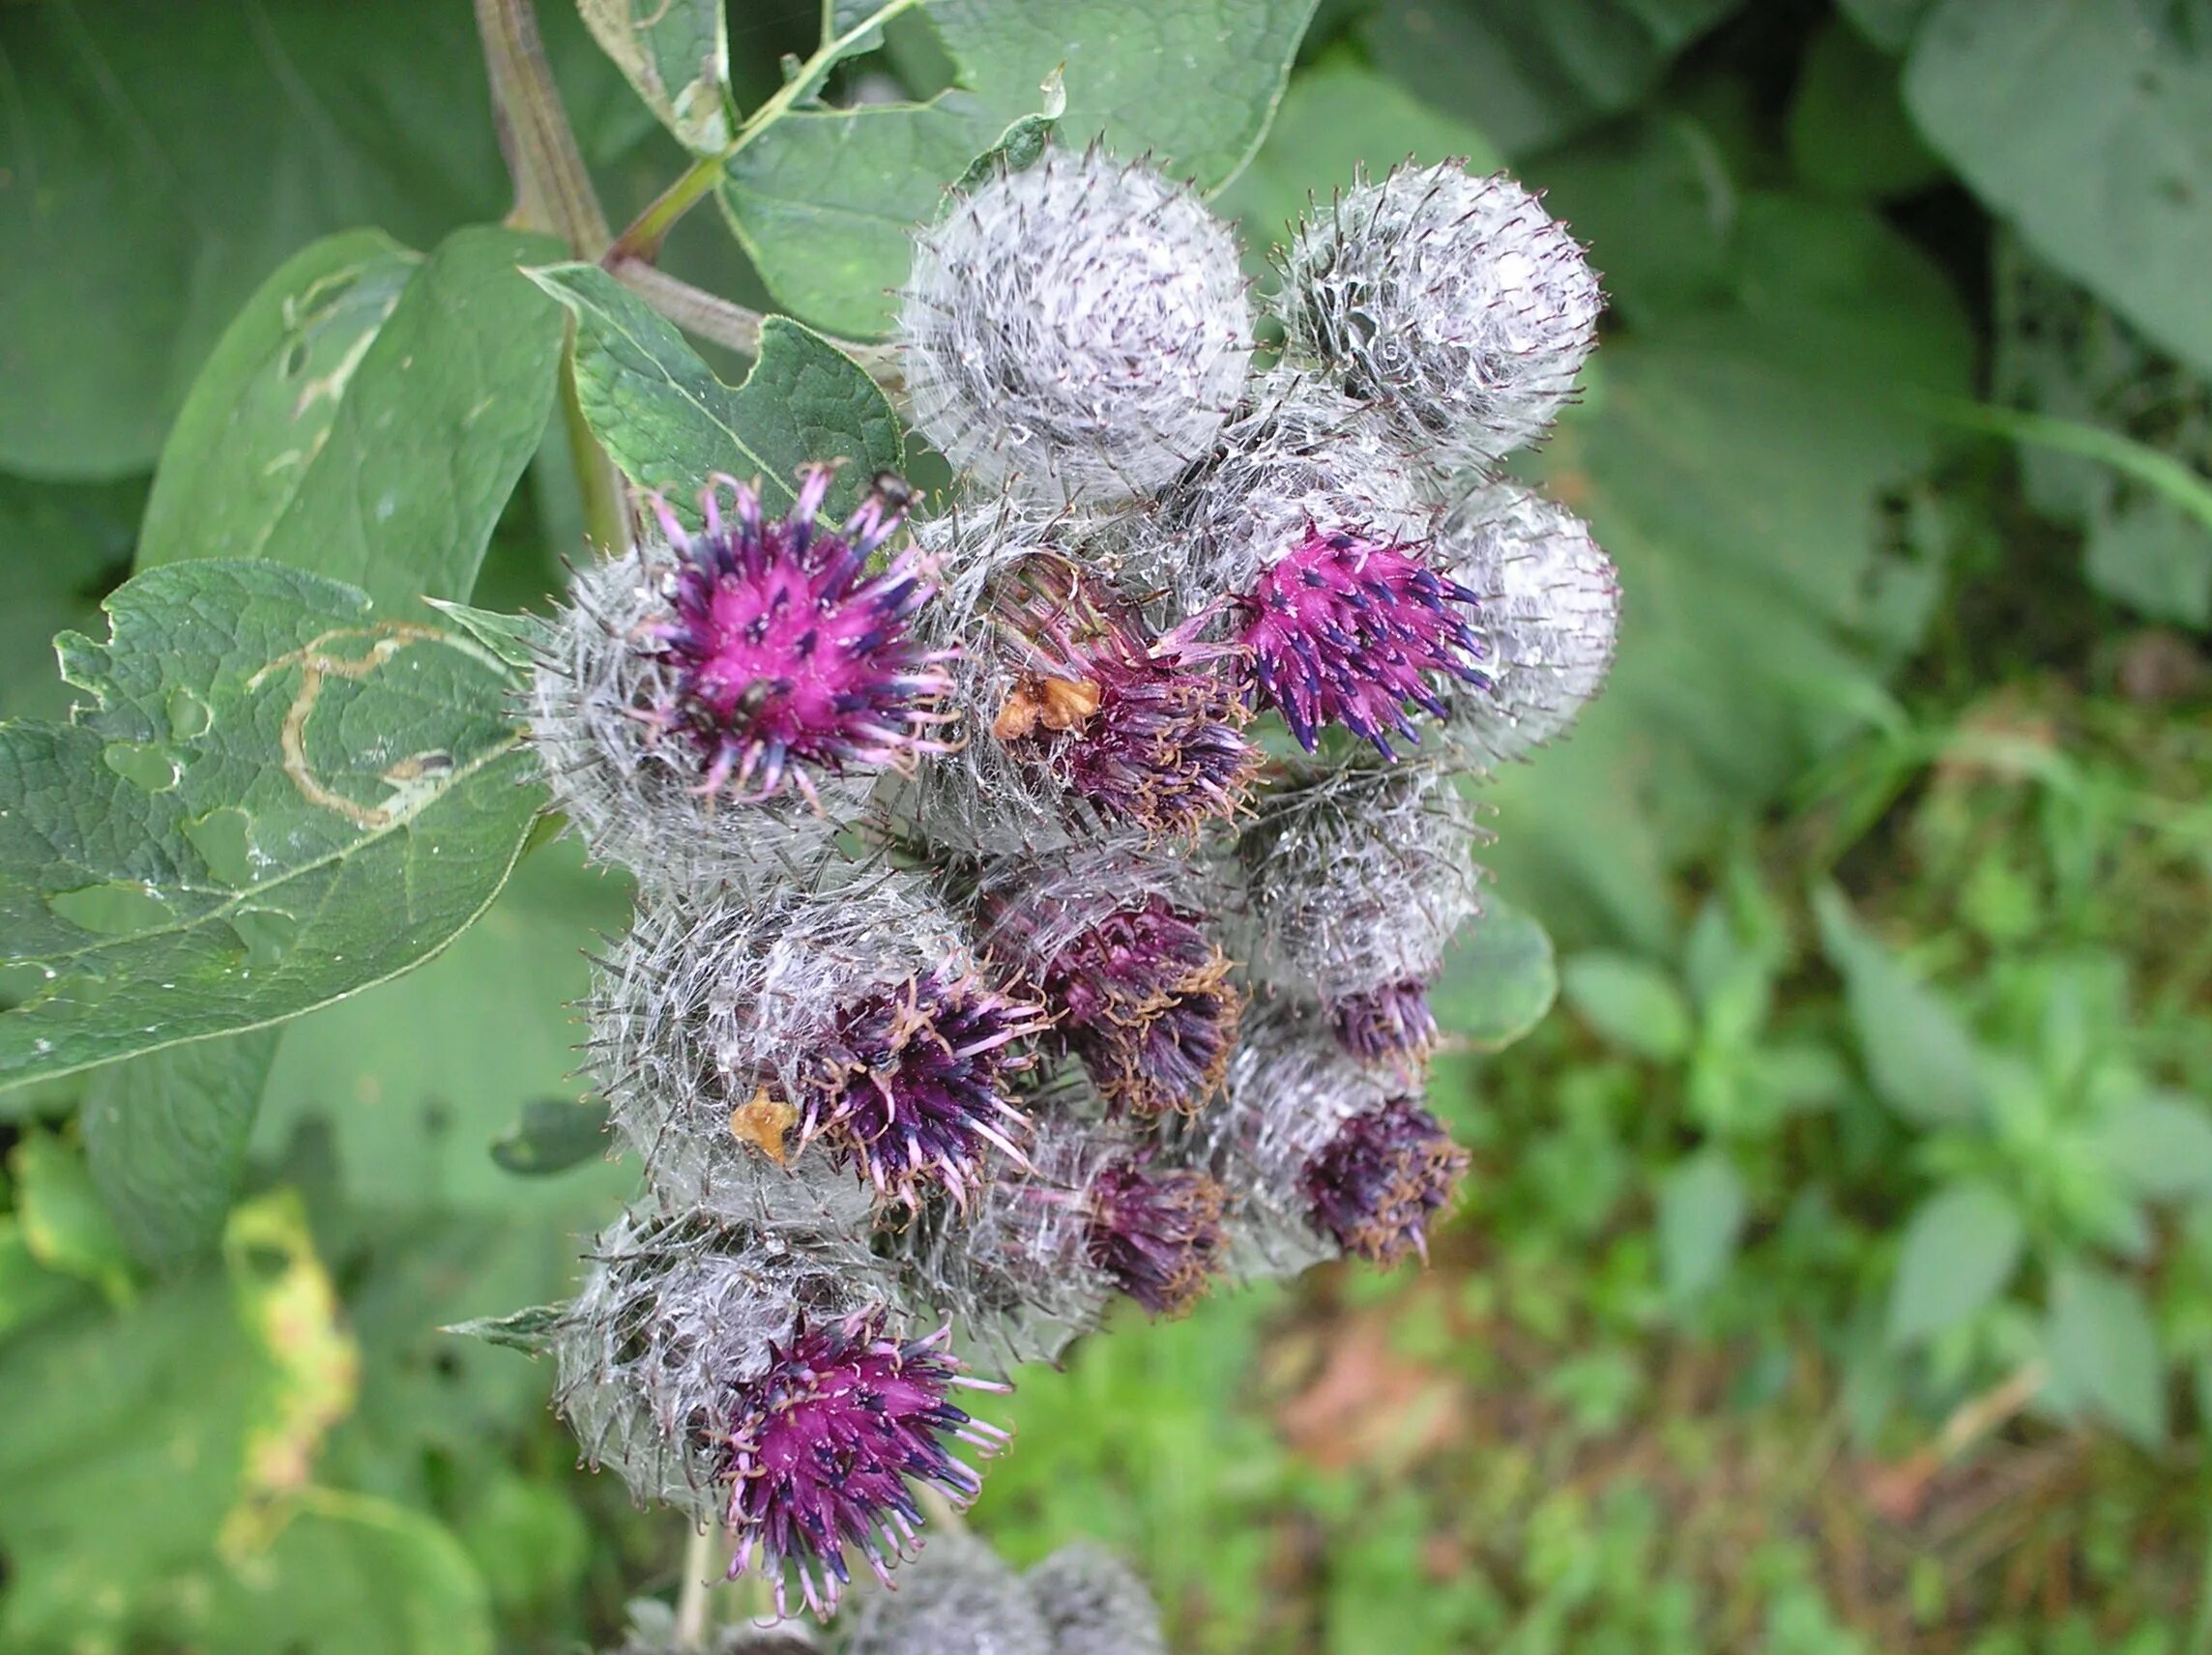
1918 1053
352 1575
416 1080
272 797
668 421
2103 1348
1530 75
677 55
168 158
1961 1247
165 1134
1498 980
365 417
1744 427
2090 128
1702 1210
826 199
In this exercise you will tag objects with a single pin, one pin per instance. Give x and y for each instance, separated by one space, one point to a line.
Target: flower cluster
1039 904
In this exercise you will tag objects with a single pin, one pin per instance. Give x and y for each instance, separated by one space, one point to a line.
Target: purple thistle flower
1391 1022
909 1085
1343 629
783 651
1156 1231
1148 729
1137 989
824 1448
1374 1184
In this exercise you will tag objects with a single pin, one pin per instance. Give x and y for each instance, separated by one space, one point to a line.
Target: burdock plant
1042 900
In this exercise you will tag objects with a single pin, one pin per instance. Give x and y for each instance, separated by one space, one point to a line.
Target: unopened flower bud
958 1598
1076 330
1455 304
1094 1604
1549 614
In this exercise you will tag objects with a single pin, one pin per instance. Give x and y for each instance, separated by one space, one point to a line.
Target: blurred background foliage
1836 1272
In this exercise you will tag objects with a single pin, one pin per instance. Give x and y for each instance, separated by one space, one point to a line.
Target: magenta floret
784 653
1345 630
826 1446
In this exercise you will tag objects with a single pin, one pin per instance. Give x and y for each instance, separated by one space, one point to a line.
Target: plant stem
643 239
691 1593
697 311
552 189
552 194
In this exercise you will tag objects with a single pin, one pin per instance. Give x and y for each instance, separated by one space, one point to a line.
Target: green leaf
1019 147
677 55
518 640
2104 1353
2090 128
143 1422
528 1330
553 1135
353 1575
412 1080
1630 1003
1498 979
668 421
165 1136
29 1291
2161 1144
1919 1056
1960 1246
1887 23
1744 428
1338 116
64 1226
169 158
1535 73
1848 133
365 417
825 200
270 800
1701 1212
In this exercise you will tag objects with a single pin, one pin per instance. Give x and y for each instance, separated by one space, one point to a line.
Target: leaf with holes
825 200
676 53
668 421
365 415
270 797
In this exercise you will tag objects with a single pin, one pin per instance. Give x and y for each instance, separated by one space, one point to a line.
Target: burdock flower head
744 1045
1075 331
1146 729
1076 716
693 682
1094 1604
1353 883
730 1374
1455 304
1096 1212
1341 1150
1314 531
1136 987
1550 612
